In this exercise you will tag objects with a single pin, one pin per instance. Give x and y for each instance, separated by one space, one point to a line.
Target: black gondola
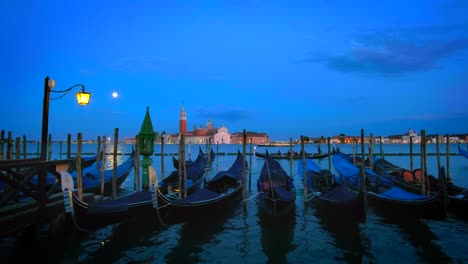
382 193
276 190
96 214
332 197
169 188
221 192
410 181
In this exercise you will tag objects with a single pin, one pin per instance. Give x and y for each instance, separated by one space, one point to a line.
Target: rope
312 196
253 196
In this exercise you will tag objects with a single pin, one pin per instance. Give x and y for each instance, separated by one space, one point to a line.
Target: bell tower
182 120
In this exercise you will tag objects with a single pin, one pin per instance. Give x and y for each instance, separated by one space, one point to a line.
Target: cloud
396 52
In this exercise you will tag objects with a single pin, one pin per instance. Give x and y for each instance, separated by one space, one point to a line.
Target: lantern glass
83 97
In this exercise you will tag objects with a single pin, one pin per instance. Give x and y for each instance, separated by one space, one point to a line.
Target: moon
115 94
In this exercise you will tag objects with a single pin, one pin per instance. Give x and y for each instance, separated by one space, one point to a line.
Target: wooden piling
354 150
49 148
371 151
363 175
103 163
68 146
304 174
60 150
98 152
2 140
250 165
18 148
449 177
136 165
114 163
329 156
290 157
162 157
411 152
184 166
9 146
37 149
423 169
79 176
442 180
381 148
24 147
244 168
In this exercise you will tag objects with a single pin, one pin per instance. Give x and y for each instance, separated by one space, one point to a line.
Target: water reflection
348 236
195 234
277 234
418 233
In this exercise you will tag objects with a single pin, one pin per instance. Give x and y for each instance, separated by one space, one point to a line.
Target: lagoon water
239 235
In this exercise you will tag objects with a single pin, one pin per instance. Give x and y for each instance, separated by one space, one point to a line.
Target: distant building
257 138
222 136
411 134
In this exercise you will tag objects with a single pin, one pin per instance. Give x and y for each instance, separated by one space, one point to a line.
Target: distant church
201 135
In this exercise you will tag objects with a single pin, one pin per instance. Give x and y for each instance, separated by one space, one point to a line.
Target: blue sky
287 68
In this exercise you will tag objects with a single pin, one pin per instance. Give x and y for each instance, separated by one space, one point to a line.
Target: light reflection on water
242 236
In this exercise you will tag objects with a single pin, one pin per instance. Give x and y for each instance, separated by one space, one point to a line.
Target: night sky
286 68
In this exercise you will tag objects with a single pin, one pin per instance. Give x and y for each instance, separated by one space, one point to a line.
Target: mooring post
304 174
250 166
329 157
98 152
68 146
24 147
114 164
9 146
79 176
244 168
449 177
381 148
103 163
163 134
423 169
290 157
17 148
411 152
2 140
49 148
363 175
371 151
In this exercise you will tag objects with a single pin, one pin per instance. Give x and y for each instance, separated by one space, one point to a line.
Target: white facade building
222 136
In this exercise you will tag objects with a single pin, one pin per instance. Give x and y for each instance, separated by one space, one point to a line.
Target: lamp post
81 96
146 137
83 99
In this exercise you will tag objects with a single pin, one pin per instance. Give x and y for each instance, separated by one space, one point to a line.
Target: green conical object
147 126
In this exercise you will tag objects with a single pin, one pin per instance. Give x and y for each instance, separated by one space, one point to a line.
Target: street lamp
81 96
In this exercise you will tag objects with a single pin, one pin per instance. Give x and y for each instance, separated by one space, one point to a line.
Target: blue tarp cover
400 194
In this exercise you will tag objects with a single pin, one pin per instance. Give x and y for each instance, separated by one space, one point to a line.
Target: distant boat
276 144
287 156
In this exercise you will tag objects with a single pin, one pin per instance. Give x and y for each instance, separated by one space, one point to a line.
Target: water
240 235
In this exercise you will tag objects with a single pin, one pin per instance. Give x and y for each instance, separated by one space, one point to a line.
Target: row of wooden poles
425 188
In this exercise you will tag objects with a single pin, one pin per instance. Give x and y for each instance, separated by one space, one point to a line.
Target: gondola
463 152
221 192
383 194
287 155
332 197
92 176
188 163
276 190
169 188
97 214
409 180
